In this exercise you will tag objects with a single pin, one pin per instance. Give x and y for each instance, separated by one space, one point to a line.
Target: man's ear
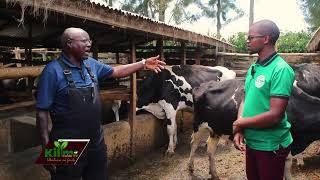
266 39
68 44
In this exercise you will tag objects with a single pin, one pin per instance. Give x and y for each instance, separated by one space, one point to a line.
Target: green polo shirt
273 77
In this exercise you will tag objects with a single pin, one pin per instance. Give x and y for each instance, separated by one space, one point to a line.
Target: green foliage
293 42
222 11
311 12
239 40
158 8
289 42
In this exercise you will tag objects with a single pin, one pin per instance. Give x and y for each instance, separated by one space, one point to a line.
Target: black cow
216 108
165 93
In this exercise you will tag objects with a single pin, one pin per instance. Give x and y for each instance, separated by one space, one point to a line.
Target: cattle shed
314 43
29 38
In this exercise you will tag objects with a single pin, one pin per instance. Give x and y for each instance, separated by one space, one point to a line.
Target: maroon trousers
266 165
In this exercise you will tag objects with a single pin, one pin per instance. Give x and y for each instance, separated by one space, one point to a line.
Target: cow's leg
211 149
115 108
287 167
171 125
172 133
195 141
299 158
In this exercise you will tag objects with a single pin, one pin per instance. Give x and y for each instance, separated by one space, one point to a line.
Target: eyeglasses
249 38
83 40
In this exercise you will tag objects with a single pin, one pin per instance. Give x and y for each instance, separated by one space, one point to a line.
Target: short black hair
268 28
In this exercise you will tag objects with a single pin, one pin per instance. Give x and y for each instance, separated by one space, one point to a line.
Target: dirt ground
229 161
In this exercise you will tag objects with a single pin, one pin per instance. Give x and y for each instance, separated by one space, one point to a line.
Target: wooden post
30 80
183 54
17 54
133 98
160 49
117 58
198 56
95 50
218 58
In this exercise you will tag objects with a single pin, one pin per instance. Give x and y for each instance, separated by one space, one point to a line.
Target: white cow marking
226 73
234 98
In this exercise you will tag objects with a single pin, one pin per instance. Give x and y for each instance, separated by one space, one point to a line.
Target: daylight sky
285 13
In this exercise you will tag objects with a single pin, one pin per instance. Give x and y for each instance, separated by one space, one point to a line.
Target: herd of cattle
214 95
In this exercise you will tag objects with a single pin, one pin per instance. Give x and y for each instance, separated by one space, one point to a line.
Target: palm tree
158 8
251 17
219 10
311 12
109 2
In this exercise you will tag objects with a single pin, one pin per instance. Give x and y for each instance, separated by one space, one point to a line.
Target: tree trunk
162 10
218 18
251 17
145 8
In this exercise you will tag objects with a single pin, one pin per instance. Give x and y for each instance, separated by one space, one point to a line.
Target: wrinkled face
255 40
79 44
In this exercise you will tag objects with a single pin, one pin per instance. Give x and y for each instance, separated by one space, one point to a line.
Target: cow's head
308 78
149 88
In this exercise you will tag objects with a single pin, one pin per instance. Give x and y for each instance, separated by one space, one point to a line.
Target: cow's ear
197 92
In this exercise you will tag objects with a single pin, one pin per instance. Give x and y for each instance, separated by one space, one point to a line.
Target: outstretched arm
152 63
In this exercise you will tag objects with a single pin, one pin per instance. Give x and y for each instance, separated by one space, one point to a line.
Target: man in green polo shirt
262 121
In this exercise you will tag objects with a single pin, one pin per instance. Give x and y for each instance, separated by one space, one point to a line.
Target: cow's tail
208 128
210 131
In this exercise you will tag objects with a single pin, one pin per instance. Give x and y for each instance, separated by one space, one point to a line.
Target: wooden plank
255 55
115 94
111 94
235 54
17 105
27 71
7 73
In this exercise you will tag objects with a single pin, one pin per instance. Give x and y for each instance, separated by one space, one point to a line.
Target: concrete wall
149 133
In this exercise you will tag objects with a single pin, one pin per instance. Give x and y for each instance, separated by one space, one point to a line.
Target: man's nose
88 43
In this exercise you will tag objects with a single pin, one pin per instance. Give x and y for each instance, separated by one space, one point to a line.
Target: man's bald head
268 28
71 33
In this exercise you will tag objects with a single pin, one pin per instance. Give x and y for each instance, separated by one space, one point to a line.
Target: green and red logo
62 151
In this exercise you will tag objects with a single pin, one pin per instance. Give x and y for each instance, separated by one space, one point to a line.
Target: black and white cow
216 107
165 93
303 108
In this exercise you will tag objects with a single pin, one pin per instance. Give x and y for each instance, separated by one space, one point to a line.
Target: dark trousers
91 166
266 165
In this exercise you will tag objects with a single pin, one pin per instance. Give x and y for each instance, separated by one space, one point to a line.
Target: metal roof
111 28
